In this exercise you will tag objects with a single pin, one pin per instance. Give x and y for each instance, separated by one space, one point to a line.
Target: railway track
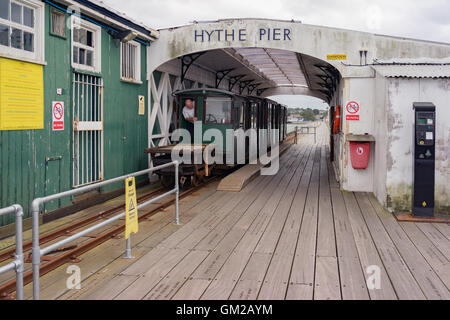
71 254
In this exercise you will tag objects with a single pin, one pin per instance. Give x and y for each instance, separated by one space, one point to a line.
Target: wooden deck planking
430 284
294 235
142 287
221 287
242 256
439 240
303 268
367 249
434 257
353 281
327 282
402 279
277 278
214 259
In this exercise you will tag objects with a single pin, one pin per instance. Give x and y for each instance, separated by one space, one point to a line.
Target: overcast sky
420 19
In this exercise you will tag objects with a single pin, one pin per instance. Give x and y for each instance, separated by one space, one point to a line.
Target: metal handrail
17 264
37 252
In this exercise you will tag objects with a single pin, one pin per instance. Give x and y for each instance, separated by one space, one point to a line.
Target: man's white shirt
188 113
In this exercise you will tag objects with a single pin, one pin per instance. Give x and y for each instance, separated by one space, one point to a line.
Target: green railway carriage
223 112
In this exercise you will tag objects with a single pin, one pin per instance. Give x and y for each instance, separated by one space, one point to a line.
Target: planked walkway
294 235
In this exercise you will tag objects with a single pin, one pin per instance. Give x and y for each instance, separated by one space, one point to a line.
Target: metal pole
296 134
35 251
19 253
128 249
177 192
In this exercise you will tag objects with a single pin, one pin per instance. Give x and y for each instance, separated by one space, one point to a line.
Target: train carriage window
241 115
218 110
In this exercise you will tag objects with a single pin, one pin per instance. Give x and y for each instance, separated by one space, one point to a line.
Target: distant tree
308 115
316 111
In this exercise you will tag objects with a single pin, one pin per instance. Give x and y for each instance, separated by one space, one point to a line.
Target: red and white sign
58 115
352 111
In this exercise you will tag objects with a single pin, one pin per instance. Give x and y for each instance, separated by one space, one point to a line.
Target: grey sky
428 20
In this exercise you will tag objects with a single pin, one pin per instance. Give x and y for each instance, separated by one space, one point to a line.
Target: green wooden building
73 98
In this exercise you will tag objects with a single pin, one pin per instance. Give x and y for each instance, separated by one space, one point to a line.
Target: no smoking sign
352 111
58 115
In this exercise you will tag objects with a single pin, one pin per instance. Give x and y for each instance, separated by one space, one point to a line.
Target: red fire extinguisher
337 120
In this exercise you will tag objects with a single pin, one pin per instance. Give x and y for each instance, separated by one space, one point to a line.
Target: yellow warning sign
21 95
424 204
131 212
336 57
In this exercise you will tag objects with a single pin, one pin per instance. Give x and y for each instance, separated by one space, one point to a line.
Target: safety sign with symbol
131 212
353 111
58 115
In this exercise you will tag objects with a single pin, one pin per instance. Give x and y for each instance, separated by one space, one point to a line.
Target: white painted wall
401 94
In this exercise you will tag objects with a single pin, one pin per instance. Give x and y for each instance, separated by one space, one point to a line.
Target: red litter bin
360 154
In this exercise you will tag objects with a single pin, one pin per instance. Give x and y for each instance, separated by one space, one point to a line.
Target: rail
17 264
302 131
37 252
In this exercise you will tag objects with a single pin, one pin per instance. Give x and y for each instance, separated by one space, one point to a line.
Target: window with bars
17 26
58 23
86 45
130 61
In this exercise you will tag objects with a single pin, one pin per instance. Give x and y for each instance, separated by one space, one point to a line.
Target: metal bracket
186 63
233 80
327 93
260 91
220 75
244 84
252 87
328 81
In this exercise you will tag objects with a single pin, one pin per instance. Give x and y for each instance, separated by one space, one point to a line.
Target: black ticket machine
424 159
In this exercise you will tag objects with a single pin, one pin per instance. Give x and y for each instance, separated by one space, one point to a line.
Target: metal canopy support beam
220 75
260 91
233 80
252 87
244 84
186 63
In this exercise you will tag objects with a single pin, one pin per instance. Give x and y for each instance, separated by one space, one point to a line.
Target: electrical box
424 159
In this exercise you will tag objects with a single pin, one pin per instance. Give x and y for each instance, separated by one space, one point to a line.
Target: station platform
293 235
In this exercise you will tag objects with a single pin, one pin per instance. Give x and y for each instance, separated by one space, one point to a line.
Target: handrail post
296 135
177 193
35 251
17 264
19 253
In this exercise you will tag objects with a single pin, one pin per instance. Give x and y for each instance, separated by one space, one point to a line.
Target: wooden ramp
236 181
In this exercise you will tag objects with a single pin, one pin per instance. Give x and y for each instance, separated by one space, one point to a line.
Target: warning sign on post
352 111
131 212
58 115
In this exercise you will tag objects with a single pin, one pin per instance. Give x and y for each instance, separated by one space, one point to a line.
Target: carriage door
87 129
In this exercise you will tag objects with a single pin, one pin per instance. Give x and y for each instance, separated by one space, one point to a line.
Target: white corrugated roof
280 66
414 71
